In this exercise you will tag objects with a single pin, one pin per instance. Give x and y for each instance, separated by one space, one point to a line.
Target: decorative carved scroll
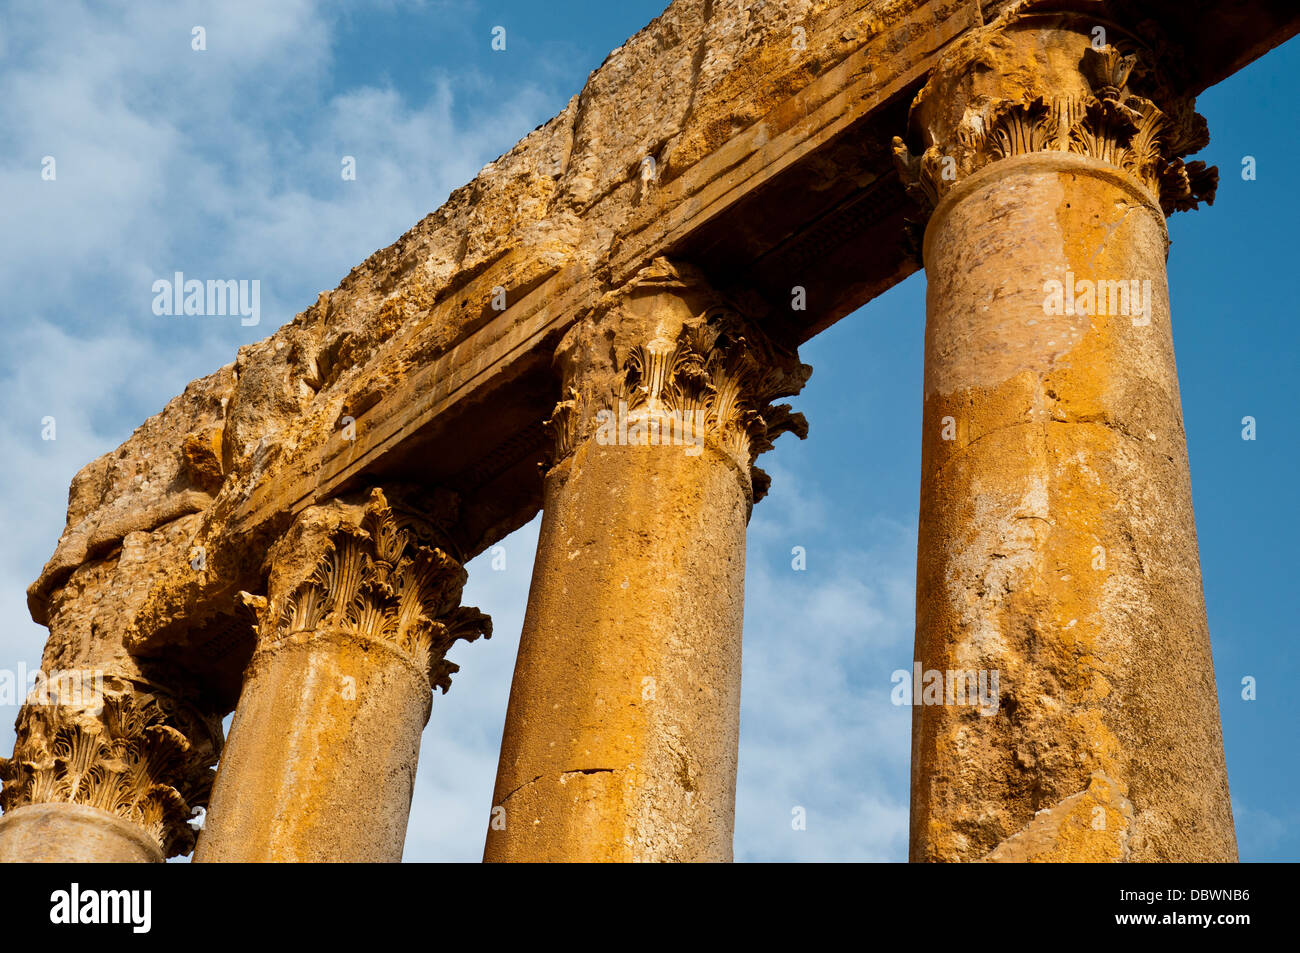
374 579
136 752
1112 125
717 374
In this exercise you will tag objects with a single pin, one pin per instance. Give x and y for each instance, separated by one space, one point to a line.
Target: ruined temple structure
285 540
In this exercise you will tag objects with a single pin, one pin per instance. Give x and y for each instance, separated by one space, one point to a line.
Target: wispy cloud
223 163
818 730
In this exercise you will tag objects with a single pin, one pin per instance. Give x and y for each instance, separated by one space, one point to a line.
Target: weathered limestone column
106 769
320 763
621 736
1057 541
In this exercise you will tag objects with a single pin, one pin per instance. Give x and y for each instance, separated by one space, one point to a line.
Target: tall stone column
620 741
320 763
106 769
1057 559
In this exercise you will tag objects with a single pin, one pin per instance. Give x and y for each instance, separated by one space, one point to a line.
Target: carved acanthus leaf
1111 125
376 581
136 753
709 374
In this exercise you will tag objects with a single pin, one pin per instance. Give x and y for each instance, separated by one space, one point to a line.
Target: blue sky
226 162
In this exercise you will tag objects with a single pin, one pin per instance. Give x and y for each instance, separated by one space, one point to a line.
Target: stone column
106 769
1057 572
320 764
621 736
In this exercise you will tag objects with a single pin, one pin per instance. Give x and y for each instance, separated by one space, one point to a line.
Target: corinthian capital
665 359
361 569
1035 83
118 744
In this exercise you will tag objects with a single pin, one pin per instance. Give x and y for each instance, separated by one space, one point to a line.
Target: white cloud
818 730
458 756
223 163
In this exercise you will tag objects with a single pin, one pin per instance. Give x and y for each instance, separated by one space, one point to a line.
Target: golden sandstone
600 327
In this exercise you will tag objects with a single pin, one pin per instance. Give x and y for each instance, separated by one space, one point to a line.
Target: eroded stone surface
573 203
1093 826
717 95
1057 541
678 133
637 598
351 643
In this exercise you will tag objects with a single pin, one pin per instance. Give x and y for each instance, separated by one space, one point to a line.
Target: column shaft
622 732
321 760
1057 559
621 737
320 763
73 834
1057 540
